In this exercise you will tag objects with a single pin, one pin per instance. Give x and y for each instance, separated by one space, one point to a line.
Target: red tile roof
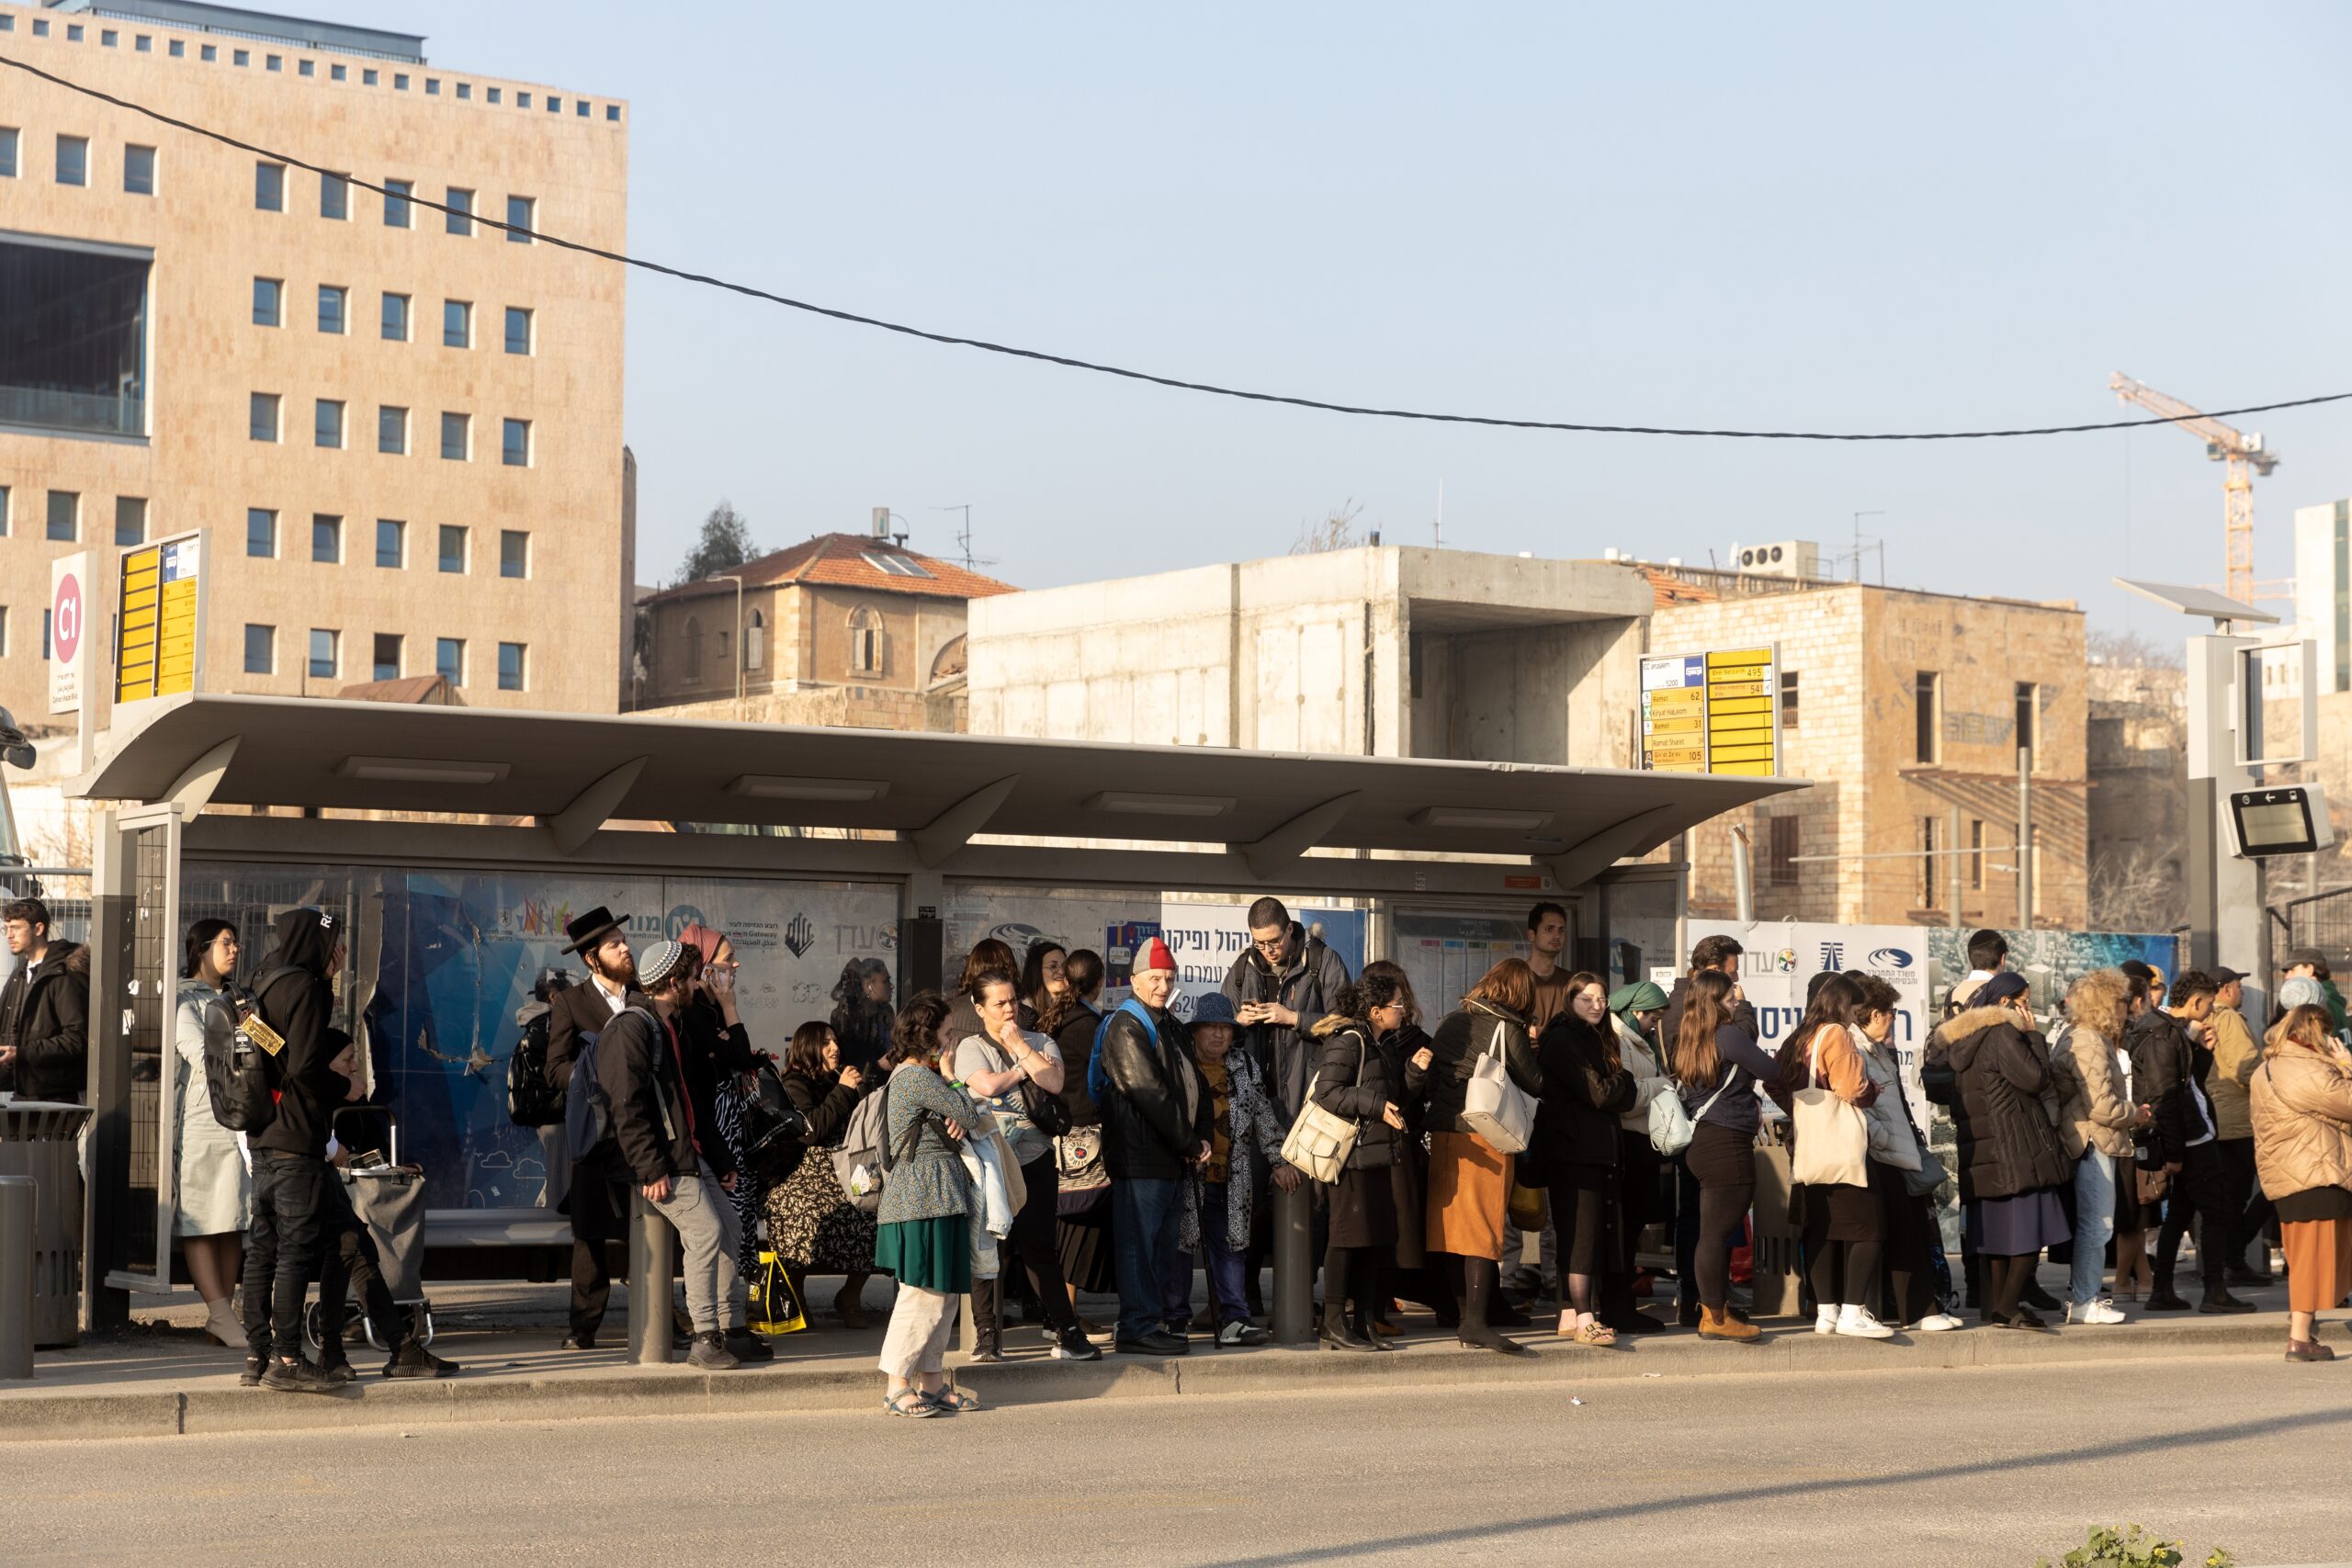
1672 591
847 561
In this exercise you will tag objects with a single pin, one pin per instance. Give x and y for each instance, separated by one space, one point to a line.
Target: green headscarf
1641 996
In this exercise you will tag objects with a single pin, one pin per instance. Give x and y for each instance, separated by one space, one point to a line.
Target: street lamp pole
738 580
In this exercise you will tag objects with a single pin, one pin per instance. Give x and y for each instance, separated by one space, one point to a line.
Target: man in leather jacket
2169 1062
1154 1128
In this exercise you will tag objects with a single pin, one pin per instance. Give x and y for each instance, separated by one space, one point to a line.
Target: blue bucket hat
1216 1008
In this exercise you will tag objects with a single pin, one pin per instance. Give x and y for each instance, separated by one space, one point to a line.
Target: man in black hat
602 941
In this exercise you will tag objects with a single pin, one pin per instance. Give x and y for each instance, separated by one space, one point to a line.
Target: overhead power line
1149 377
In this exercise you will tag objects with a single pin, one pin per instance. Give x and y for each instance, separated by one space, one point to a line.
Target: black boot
988 1332
2163 1298
2217 1299
1478 1276
1336 1333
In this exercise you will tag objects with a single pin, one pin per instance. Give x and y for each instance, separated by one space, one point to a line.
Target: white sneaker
1856 1321
1937 1323
1825 1322
2103 1310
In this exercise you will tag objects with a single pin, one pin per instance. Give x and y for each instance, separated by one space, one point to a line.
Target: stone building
2138 759
1903 707
840 629
397 428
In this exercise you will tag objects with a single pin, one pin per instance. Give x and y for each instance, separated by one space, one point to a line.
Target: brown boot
1714 1322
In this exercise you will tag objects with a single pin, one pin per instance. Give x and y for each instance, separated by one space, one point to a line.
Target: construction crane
2245 456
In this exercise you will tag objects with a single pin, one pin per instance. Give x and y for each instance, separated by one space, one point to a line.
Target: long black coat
2165 1060
1156 1112
1354 1077
52 1008
1575 1121
1462 1038
1992 1075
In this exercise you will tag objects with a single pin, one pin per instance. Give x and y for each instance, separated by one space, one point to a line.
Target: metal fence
2324 920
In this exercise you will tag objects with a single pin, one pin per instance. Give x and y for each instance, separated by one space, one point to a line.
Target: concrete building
2323 587
400 430
843 628
1381 650
1903 707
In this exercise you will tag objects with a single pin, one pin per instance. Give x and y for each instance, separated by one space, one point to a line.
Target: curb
680 1390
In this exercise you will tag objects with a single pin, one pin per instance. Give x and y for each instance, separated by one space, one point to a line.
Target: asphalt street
1991 1466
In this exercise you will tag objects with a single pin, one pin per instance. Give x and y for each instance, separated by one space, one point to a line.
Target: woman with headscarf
714 1054
862 1016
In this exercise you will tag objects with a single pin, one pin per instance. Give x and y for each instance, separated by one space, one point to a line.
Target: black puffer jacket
1992 1075
1463 1037
1576 1121
1156 1112
50 1004
2165 1060
1354 1077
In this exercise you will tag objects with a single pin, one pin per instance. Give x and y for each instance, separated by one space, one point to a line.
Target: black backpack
240 1049
775 1134
532 1100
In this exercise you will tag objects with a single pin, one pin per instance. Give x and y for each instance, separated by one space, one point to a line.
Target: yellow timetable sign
1711 713
159 649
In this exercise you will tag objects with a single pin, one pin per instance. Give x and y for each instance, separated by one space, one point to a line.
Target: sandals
911 1401
951 1400
1597 1334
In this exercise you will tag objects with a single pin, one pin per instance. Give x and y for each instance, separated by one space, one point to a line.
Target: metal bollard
1294 1266
649 1269
16 1278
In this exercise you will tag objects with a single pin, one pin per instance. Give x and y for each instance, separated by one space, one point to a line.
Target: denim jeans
282 1248
2094 1222
709 1235
1144 1214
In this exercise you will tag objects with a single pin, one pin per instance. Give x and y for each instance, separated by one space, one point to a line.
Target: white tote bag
1495 1108
1833 1145
1320 1141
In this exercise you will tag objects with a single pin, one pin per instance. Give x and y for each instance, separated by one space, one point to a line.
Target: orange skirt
1469 1187
2319 1263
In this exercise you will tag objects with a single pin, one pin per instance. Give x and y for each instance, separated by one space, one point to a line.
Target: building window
387 666
457 325
514 553
260 649
865 641
459 218
330 308
453 548
519 209
367 76
449 660
511 662
391 544
613 113
261 532
307 67
208 53
73 160
335 197
1927 877
493 95
338 73
273 63
1976 853
464 90
391 432
3 511
327 426
521 100
693 649
1780 850
1926 694
518 329
1788 700
755 642
555 105
432 86
396 203
515 450
179 49
241 56
456 431
268 296
395 327
8 151
322 652
64 515
2029 722
269 187
75 330
130 520
139 170
400 81
326 539
263 415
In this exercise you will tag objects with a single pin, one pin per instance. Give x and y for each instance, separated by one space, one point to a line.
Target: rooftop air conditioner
1790 558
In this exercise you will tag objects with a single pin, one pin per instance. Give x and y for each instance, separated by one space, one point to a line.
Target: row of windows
265 422
399 211
145 43
324 659
63 520
454 543
73 165
392 316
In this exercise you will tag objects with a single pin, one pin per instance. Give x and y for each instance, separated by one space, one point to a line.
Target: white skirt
215 1192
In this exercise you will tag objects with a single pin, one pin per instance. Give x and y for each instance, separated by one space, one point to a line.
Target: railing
2323 921
327 41
118 414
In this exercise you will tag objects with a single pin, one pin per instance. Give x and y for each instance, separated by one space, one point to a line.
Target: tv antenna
964 535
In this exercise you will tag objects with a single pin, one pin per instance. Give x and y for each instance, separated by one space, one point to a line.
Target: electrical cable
1208 387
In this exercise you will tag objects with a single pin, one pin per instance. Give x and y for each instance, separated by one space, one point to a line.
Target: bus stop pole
649 1282
16 1278
1294 1266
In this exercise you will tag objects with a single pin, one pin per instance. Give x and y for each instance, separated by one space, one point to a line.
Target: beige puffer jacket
2302 1119
2092 1109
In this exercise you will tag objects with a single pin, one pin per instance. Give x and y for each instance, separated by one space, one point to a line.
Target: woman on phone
812 1224
2096 1121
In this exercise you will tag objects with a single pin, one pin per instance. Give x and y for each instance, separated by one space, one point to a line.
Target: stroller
388 1199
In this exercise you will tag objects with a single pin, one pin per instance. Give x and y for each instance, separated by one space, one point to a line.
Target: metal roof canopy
575 772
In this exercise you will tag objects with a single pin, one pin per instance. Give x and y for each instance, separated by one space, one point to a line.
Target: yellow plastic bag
1530 1207
776 1305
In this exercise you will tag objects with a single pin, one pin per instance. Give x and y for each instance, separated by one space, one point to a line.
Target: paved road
1990 1466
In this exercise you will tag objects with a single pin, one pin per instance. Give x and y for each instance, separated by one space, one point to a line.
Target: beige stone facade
529 592
1886 778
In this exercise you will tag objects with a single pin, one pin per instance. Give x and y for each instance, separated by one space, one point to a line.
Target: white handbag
1833 1144
1495 1108
1319 1141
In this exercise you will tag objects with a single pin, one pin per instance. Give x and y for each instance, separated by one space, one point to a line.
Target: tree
1336 531
726 544
2130 651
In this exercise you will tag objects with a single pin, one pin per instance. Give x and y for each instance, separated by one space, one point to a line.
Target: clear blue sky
1867 216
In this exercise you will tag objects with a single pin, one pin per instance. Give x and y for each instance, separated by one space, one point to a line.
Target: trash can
42 1139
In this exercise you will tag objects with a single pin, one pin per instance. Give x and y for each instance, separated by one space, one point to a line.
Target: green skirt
931 1255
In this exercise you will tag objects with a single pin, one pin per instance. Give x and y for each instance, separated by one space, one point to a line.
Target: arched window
866 650
693 647
755 642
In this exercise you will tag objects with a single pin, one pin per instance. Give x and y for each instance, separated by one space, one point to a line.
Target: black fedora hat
586 931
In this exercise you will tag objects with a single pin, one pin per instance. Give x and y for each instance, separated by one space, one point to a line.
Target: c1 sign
69 642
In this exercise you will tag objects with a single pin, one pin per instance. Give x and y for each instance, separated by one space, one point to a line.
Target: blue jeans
2094 1222
1144 1214
1227 1277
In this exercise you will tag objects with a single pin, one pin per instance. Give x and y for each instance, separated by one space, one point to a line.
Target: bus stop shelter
457 842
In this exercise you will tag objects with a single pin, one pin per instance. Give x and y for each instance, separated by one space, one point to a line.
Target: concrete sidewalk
164 1378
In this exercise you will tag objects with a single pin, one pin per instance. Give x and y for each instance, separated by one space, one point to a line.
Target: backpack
587 1111
1098 1081
863 1162
775 1134
241 1050
532 1101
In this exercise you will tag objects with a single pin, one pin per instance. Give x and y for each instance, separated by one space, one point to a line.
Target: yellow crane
2245 456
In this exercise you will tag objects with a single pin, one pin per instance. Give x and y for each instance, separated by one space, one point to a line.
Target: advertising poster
1445 955
2052 961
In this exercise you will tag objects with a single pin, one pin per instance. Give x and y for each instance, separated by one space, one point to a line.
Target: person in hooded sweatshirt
291 1208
